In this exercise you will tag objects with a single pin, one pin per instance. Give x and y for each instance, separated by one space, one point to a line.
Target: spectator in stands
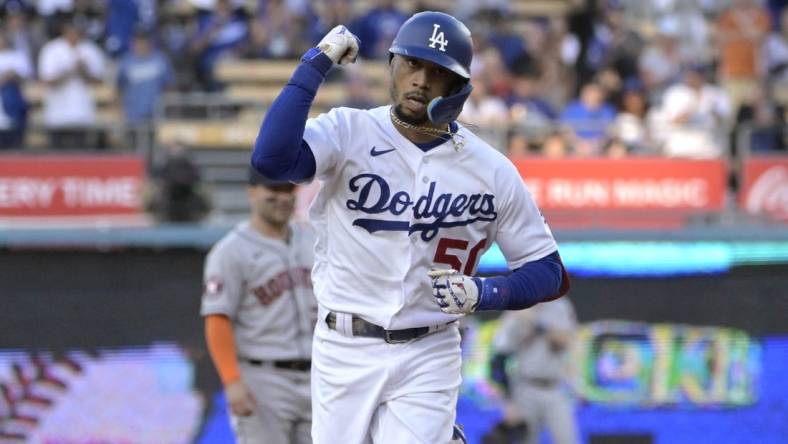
775 59
16 5
220 33
488 65
690 29
330 13
613 44
612 84
531 115
18 30
693 117
358 94
557 60
143 77
502 35
14 70
50 7
174 32
588 119
487 112
469 10
177 193
482 109
741 30
527 94
660 63
615 148
278 31
555 145
376 29
51 11
68 66
260 40
630 128
582 17
122 16
90 16
761 124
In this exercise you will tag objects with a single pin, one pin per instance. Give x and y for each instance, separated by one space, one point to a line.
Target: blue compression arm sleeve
280 151
534 282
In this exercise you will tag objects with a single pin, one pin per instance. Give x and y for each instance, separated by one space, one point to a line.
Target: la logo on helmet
438 38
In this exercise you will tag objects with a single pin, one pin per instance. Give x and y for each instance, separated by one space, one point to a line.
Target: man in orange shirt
741 30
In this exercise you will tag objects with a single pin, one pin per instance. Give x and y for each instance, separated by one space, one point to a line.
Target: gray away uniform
536 385
264 286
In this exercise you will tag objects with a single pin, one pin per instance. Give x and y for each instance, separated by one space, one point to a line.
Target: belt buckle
387 336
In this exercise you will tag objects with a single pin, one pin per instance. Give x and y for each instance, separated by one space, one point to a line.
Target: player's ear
393 60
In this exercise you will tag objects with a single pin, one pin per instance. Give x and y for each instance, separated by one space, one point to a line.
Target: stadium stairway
224 173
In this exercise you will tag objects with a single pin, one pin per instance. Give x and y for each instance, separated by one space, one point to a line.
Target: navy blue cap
257 179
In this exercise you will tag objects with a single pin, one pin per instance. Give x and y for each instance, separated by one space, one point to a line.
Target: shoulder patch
213 286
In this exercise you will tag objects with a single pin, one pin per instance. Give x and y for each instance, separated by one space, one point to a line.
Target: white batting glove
454 293
340 45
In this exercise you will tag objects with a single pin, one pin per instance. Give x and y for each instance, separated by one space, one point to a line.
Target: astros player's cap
257 179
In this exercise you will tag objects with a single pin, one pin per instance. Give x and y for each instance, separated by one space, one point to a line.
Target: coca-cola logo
769 193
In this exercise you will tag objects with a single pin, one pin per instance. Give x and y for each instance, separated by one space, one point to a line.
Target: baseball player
539 340
409 199
259 314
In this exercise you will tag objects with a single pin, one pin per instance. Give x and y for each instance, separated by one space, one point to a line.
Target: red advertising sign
65 186
764 188
653 189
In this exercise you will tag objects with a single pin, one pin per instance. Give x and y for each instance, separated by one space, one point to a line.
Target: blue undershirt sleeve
280 151
537 281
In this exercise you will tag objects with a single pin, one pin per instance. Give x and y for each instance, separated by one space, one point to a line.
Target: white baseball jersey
263 286
387 212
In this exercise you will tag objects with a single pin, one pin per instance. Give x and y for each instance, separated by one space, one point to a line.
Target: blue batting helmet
445 41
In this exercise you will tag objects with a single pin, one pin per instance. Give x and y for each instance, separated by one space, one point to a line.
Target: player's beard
399 112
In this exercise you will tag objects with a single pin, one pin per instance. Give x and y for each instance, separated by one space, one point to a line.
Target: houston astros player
259 314
409 200
539 341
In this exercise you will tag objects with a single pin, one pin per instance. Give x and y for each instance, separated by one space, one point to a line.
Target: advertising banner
638 191
764 187
70 186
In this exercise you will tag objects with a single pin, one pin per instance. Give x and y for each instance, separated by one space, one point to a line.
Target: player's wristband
480 291
318 59
311 72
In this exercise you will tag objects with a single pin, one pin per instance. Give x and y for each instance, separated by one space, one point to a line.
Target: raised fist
454 293
340 45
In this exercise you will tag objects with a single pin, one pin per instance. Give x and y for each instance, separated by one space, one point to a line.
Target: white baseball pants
365 390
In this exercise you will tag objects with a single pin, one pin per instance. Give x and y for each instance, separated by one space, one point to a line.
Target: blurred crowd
687 78
690 78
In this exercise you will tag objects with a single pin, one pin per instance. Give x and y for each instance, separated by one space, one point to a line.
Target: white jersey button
425 179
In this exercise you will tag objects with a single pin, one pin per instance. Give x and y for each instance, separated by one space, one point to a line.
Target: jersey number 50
442 255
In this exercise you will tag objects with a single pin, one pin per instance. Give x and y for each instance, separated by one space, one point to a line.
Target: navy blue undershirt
528 285
280 152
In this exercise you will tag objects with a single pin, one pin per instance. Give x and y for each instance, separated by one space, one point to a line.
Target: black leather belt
300 365
370 330
544 383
